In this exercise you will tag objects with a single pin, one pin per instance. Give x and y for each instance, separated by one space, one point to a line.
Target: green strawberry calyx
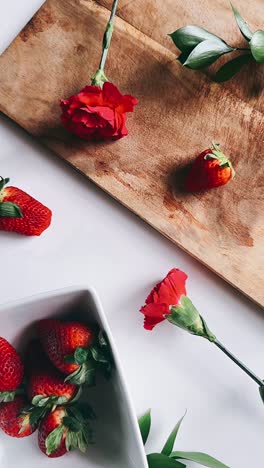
89 360
30 416
221 157
7 396
76 426
8 209
52 401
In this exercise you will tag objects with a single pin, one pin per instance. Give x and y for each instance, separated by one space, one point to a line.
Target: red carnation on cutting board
98 111
210 169
11 371
13 420
21 213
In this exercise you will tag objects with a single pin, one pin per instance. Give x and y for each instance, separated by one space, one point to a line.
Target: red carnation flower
165 294
97 113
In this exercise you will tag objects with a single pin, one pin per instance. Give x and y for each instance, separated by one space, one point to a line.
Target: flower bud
187 317
99 78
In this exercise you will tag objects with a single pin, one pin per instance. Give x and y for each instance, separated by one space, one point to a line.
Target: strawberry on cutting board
210 169
21 213
45 384
14 420
11 371
64 430
74 349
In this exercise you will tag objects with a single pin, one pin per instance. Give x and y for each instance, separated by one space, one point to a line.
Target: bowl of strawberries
63 397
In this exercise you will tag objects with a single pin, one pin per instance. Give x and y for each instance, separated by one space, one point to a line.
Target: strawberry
21 213
11 371
14 420
210 169
45 386
72 349
64 430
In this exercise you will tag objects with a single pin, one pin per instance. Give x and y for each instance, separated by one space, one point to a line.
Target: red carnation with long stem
168 301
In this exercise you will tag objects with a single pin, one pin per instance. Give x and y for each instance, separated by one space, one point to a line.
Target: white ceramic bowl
118 442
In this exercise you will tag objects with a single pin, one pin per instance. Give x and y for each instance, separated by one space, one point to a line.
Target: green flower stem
108 36
239 363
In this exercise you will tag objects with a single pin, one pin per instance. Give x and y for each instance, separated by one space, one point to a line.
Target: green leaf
71 441
5 397
206 53
69 359
257 46
37 400
10 210
85 374
83 412
190 36
72 424
168 447
199 457
59 400
158 460
144 425
35 415
229 69
3 182
82 442
81 355
77 395
242 24
54 439
183 57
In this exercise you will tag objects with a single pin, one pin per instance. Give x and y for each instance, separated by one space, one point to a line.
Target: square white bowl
117 437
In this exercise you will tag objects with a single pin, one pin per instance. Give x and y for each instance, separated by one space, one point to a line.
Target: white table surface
93 240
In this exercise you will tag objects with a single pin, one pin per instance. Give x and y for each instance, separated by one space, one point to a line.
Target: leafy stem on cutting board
99 77
168 457
201 48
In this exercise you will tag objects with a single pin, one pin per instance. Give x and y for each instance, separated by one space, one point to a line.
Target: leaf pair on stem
201 48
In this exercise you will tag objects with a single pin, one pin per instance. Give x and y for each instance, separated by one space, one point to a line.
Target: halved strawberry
11 371
74 349
14 418
21 213
64 430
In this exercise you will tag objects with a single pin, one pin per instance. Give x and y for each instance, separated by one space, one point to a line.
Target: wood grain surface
179 113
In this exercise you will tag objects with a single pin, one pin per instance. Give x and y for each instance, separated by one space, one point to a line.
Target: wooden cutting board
179 113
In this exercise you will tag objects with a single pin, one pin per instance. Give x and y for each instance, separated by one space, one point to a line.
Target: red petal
150 323
111 94
172 287
156 311
127 104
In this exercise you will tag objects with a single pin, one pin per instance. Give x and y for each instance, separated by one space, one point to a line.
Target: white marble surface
96 241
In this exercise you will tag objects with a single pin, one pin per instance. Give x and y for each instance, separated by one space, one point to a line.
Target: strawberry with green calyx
15 420
210 169
11 371
74 349
63 430
21 213
45 384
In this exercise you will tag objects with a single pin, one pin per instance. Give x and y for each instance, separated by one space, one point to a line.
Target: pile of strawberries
43 392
